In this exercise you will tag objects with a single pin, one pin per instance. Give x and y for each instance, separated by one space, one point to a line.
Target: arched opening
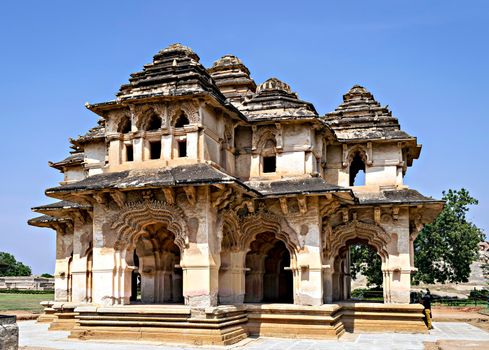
124 126
268 276
269 157
135 280
358 273
181 121
153 123
357 170
157 267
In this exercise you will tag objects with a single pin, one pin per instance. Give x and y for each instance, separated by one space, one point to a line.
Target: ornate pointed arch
231 232
263 135
132 219
373 234
358 150
262 222
117 119
191 112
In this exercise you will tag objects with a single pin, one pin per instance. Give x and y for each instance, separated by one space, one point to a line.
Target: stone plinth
223 325
48 314
64 316
372 317
9 333
295 321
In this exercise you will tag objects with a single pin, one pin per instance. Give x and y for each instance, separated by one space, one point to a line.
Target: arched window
181 121
357 170
269 158
124 126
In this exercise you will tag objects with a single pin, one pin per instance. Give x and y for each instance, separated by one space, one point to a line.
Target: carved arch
361 151
263 135
373 234
190 110
117 118
132 219
142 114
262 222
231 232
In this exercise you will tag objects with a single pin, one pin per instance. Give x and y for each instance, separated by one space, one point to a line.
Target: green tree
366 261
12 267
445 249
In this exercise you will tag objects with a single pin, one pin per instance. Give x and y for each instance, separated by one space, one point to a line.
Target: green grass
26 302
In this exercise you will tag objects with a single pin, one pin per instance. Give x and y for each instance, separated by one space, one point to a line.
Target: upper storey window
181 121
357 170
269 158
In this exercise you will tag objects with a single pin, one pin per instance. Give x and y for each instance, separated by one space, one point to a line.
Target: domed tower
370 142
233 79
274 98
278 120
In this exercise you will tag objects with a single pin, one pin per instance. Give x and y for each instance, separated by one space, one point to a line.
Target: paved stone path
37 336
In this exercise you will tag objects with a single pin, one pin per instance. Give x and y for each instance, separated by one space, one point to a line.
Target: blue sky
428 60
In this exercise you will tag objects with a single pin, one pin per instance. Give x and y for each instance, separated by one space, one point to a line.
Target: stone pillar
398 264
192 142
166 146
64 249
308 276
61 280
115 149
103 260
255 165
328 284
232 278
254 286
79 279
201 260
138 149
148 287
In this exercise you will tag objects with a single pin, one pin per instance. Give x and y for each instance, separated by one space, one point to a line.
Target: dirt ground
470 315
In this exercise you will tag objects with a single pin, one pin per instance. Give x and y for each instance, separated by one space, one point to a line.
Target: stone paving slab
36 335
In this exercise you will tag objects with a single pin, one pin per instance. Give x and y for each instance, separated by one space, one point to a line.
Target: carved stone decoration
302 201
377 215
395 213
131 220
264 221
373 234
169 195
116 118
191 195
99 197
231 232
262 135
190 109
283 205
348 154
119 198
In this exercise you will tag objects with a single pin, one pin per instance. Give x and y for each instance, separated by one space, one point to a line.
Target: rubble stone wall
9 333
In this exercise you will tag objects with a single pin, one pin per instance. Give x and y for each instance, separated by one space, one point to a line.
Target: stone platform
223 325
36 335
229 324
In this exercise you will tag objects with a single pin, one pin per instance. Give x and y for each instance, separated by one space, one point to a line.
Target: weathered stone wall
9 333
27 283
